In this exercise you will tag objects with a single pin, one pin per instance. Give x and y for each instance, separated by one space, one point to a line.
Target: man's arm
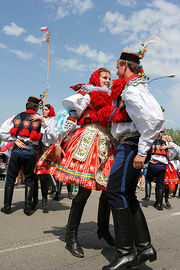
147 116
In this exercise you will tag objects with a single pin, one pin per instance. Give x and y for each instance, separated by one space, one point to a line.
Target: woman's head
48 111
104 77
101 77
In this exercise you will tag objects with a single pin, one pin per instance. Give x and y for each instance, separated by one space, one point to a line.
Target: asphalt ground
37 241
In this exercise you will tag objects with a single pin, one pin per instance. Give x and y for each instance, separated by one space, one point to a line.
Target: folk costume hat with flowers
119 84
25 127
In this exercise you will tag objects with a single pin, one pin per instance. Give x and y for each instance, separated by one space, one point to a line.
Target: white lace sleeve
5 128
49 131
173 151
145 113
77 103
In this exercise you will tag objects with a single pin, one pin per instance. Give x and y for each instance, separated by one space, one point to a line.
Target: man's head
32 103
127 64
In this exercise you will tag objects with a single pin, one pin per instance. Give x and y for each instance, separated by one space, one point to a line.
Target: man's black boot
103 220
28 200
8 194
145 251
126 255
159 199
35 195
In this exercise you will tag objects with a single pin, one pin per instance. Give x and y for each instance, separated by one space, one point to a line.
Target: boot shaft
123 228
8 194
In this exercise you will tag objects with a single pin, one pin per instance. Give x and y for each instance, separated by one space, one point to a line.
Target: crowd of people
100 141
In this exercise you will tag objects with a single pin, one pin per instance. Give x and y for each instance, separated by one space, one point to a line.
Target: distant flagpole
46 38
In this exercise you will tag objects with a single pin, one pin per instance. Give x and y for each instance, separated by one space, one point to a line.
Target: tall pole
47 38
47 86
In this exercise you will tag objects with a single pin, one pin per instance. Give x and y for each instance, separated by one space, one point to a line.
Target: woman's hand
59 153
19 143
35 117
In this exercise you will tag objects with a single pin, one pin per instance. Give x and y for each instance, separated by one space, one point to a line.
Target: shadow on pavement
52 206
87 236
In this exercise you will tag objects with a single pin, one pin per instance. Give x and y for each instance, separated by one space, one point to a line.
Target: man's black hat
133 57
34 99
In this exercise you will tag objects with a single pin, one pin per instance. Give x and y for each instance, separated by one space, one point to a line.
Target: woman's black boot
44 192
147 192
70 196
71 239
58 190
166 191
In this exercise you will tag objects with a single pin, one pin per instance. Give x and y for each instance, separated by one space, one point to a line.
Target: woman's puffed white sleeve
49 131
145 113
5 128
77 103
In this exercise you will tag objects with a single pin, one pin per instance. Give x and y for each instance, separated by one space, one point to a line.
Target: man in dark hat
141 122
26 135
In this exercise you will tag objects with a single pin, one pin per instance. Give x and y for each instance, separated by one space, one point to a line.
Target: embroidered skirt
171 176
88 159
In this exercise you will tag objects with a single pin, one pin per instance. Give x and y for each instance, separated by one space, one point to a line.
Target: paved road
37 242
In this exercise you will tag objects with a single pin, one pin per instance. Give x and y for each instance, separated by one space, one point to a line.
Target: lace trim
85 145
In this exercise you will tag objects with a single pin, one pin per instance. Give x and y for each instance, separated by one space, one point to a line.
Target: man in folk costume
135 133
26 135
157 169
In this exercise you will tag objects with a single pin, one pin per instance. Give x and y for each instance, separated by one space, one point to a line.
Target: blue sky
86 35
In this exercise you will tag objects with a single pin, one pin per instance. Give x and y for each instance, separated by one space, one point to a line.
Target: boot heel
153 258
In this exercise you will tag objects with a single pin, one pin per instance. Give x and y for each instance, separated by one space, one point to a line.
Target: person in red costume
26 136
88 156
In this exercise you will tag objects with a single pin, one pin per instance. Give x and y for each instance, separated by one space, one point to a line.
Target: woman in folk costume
171 176
88 155
47 122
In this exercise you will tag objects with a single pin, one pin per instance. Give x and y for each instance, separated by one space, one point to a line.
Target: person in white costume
142 122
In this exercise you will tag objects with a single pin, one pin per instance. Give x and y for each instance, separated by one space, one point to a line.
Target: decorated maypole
46 38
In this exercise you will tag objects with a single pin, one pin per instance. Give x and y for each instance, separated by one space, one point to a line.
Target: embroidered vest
156 148
26 128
